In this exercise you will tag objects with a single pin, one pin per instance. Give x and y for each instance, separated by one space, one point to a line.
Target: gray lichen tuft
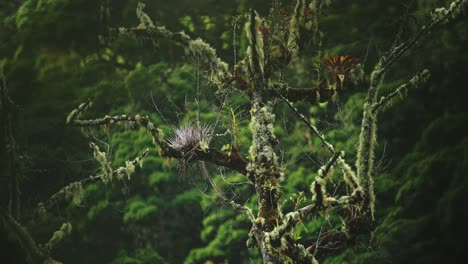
145 20
75 191
219 70
294 36
58 236
100 157
255 38
445 15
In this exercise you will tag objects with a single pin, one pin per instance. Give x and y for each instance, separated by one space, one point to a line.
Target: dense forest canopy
88 88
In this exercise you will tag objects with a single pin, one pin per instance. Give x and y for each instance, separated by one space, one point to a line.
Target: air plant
339 66
188 139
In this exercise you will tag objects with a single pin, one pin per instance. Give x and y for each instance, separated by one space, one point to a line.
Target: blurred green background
53 60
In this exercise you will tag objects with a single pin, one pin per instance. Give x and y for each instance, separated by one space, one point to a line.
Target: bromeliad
339 66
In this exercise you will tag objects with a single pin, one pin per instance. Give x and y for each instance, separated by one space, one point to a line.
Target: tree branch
293 218
73 190
438 16
234 161
219 73
58 236
417 80
319 201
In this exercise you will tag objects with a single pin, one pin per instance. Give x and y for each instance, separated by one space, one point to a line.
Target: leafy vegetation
56 54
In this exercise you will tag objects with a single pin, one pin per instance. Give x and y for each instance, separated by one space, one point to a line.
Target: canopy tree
273 43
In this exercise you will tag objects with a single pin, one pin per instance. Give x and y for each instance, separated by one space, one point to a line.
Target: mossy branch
291 219
73 190
255 56
438 16
368 135
218 70
320 200
416 81
58 236
234 162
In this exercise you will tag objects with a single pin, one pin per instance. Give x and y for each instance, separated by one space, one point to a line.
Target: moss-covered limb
438 16
255 56
264 166
32 252
318 187
72 117
280 232
73 190
367 141
7 119
310 210
293 218
234 161
365 157
101 157
218 70
294 25
416 81
368 135
320 200
58 236
138 120
324 171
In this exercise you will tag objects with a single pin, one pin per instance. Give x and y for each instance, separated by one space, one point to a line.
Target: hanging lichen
100 157
58 236
254 36
145 20
219 70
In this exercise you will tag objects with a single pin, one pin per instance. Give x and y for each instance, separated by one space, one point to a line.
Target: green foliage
138 209
53 62
226 238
